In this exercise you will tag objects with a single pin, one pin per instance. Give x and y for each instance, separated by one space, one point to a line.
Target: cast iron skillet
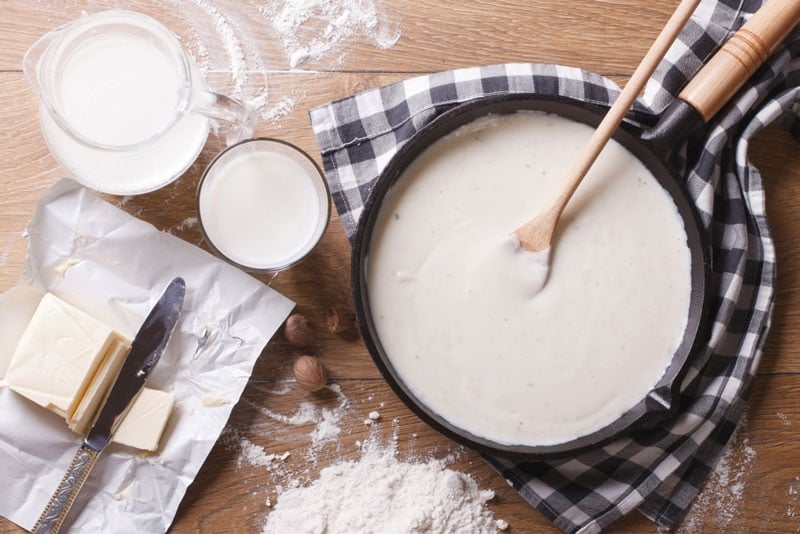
653 148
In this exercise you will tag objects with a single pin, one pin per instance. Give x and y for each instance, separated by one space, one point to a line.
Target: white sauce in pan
463 317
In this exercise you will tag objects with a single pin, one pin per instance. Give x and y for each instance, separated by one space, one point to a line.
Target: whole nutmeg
339 319
310 373
298 330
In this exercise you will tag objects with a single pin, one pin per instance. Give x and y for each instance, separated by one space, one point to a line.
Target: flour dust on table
311 29
379 493
717 508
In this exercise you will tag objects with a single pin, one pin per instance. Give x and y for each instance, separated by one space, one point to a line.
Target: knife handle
57 509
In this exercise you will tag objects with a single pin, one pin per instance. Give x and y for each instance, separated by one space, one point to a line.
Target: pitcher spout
36 57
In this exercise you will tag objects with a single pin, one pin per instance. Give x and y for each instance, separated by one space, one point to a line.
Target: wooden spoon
537 234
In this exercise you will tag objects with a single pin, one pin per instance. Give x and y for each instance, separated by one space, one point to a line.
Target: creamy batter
463 315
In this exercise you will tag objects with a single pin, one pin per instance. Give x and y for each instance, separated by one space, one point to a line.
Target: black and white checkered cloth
657 471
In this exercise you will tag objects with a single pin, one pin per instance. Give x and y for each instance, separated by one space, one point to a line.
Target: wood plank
434 34
756 488
761 487
774 152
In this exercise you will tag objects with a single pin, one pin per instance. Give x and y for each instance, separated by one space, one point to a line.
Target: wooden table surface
756 488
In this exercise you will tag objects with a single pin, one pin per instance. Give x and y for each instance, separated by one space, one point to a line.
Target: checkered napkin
657 471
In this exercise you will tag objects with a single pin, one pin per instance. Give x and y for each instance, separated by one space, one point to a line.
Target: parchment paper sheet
115 267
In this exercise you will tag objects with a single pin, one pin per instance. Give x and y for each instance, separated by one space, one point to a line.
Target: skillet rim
662 401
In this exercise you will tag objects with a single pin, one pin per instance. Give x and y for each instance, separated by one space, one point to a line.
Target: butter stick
145 421
66 361
58 355
98 388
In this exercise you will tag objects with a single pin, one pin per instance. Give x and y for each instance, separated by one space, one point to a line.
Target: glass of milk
122 107
263 205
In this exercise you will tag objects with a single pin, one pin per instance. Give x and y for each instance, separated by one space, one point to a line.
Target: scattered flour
310 29
375 494
784 418
793 510
207 26
716 506
279 110
325 420
379 493
306 29
187 224
4 255
236 57
256 455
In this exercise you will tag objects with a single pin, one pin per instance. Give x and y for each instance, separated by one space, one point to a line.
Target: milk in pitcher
122 106
121 91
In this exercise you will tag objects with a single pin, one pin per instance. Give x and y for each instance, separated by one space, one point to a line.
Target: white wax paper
115 267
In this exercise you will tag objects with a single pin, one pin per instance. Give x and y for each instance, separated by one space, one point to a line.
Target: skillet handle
738 59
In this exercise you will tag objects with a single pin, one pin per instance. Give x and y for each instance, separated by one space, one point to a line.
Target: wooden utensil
652 146
537 234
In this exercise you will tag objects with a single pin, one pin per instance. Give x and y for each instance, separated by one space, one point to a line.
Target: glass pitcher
122 107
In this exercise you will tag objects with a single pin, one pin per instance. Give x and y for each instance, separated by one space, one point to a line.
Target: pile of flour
380 494
376 494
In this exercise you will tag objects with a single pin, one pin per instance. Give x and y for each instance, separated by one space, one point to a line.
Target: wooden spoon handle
537 233
632 90
738 59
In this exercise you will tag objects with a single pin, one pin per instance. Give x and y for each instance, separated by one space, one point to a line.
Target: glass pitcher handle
240 116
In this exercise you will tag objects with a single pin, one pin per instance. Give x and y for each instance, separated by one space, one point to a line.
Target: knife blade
146 350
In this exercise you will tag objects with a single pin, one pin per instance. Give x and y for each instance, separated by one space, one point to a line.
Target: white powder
325 420
4 255
378 494
306 29
310 29
187 224
717 505
281 109
256 455
238 63
794 498
207 27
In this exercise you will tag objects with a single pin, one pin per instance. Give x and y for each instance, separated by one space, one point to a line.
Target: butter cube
17 306
67 361
98 388
59 354
145 421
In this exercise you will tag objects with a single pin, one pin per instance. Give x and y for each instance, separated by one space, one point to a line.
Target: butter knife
146 349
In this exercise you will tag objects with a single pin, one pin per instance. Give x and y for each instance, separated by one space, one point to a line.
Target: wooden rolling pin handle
741 56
